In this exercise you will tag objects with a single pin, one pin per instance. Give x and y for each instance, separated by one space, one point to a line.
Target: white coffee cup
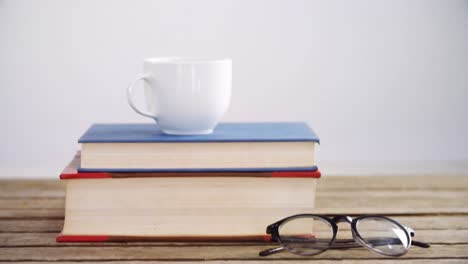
185 96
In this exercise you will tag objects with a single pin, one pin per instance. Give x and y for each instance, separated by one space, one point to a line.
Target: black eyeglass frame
273 230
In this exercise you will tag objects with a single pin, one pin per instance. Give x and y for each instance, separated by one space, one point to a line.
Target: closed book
281 146
180 207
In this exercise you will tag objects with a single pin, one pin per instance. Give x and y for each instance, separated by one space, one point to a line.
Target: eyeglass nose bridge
342 218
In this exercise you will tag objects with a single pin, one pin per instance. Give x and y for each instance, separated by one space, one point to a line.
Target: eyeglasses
309 234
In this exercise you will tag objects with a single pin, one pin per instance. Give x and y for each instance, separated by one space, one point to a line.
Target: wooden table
31 215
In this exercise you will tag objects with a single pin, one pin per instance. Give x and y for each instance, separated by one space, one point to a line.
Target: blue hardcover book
270 146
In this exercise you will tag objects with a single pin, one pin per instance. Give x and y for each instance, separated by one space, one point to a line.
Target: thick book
186 206
234 147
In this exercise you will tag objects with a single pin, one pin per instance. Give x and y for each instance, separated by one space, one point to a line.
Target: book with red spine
71 176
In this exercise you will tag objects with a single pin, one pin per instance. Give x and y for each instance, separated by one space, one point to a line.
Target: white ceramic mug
185 96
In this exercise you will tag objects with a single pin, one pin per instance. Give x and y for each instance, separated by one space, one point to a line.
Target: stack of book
131 182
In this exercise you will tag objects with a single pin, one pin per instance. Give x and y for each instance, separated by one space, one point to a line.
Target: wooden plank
59 214
378 182
32 213
48 239
392 202
433 222
56 188
331 202
326 199
32 188
344 261
205 253
33 203
393 211
429 222
31 225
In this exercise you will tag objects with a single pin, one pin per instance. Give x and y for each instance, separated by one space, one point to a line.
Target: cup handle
130 93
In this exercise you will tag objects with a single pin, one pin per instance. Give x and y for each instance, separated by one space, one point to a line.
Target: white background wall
384 83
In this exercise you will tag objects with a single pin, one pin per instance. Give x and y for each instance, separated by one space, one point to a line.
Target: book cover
224 132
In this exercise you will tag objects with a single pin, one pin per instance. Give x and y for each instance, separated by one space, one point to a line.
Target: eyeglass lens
383 235
306 235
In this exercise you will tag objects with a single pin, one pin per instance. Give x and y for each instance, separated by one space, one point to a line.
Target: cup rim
185 60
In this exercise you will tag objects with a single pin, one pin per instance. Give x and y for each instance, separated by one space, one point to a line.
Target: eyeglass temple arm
345 244
416 243
420 244
270 251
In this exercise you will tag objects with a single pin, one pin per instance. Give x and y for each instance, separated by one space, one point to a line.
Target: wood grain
417 200
429 222
274 261
48 239
331 202
55 188
218 252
